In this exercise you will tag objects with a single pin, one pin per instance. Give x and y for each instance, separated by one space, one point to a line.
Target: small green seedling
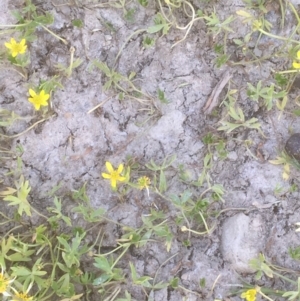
67 71
268 94
238 116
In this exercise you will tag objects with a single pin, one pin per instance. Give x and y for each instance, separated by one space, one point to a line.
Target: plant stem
56 36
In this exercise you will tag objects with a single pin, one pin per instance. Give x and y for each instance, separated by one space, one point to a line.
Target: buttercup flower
114 175
38 100
21 297
249 295
143 182
4 283
16 48
296 62
257 24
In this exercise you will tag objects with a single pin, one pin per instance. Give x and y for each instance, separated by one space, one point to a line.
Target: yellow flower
16 48
21 297
249 295
296 63
4 284
38 100
143 182
257 24
114 175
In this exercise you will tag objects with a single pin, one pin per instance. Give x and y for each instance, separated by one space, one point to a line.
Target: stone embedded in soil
232 156
169 129
292 146
243 239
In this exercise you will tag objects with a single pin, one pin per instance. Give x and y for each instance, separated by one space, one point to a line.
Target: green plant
295 253
160 184
285 160
67 71
262 266
120 83
259 4
143 2
55 260
28 20
214 142
239 121
215 25
165 20
7 118
148 42
161 97
267 94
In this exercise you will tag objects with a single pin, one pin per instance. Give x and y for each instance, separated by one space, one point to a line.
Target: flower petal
296 65
32 93
114 183
109 167
23 49
23 42
121 179
120 168
43 96
37 106
298 54
106 176
43 102
8 45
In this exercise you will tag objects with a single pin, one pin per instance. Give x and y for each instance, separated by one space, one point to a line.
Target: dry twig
213 98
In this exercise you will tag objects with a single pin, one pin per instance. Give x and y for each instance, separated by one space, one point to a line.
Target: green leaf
202 282
21 256
7 118
144 3
174 282
161 97
102 279
102 66
152 166
144 280
155 28
102 264
77 23
20 271
162 182
46 19
58 214
77 63
148 42
296 112
23 190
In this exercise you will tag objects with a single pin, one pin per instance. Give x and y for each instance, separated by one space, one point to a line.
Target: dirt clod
292 146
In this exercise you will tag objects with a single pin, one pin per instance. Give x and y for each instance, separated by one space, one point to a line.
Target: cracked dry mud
71 147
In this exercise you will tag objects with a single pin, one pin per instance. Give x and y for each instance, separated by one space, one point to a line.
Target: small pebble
292 146
232 156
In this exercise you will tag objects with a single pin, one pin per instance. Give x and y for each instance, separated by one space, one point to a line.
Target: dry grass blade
213 98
